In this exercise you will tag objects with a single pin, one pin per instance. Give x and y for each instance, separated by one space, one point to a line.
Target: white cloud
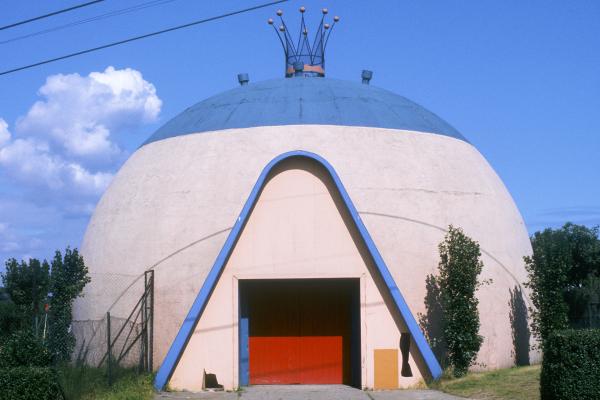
65 143
4 133
58 158
29 230
31 162
78 114
8 240
131 95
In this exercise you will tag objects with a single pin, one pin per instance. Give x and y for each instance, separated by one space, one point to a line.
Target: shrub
571 365
563 274
432 321
458 280
27 284
11 320
29 383
33 285
548 270
22 349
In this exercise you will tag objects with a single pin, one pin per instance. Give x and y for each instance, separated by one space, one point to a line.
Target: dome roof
304 101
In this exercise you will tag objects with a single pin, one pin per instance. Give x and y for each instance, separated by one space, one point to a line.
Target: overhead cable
64 10
107 15
141 37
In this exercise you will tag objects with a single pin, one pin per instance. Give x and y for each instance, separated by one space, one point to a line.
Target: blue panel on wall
244 351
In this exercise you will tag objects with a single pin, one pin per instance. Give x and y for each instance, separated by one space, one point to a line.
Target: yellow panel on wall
386 368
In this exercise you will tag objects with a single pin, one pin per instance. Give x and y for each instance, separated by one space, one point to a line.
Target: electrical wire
142 37
107 15
64 10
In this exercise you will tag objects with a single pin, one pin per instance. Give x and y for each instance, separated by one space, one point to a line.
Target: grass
519 383
86 383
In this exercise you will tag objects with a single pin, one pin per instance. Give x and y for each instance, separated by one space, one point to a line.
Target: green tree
23 349
584 273
33 284
563 272
27 283
547 269
458 280
11 320
69 275
584 246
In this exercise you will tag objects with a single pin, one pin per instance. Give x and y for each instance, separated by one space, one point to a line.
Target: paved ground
308 392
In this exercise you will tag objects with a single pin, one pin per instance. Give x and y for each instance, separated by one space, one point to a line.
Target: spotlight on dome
243 79
366 76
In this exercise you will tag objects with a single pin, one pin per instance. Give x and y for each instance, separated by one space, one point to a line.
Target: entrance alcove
299 296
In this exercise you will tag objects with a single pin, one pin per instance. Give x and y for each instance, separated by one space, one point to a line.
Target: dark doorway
300 331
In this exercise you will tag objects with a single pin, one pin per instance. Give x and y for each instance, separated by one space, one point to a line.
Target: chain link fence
116 342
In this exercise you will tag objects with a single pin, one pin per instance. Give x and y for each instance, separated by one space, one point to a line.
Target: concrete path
308 392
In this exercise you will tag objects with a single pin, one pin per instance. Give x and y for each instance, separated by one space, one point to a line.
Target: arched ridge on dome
191 320
305 101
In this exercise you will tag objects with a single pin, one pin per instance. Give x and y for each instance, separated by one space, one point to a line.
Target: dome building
291 225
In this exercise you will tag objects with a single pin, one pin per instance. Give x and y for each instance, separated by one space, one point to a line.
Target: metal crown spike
304 58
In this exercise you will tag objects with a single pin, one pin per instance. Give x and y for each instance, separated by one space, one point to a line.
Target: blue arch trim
187 327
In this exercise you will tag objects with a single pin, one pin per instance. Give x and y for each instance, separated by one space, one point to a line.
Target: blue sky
521 80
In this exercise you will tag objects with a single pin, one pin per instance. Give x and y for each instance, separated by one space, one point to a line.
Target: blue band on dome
305 101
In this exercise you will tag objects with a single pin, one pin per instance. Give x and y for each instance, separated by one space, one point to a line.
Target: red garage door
299 331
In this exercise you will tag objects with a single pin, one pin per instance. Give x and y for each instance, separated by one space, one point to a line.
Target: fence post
151 330
143 316
109 350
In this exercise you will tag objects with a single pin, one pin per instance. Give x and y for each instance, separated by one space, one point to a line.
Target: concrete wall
172 204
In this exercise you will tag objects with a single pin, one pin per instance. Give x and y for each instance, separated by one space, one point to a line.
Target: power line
107 15
64 10
141 37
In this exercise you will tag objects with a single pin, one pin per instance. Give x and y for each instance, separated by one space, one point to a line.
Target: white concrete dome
408 173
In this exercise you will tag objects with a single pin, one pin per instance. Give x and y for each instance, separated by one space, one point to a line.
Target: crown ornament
301 57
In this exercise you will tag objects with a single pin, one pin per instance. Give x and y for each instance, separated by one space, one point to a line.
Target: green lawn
86 383
519 383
